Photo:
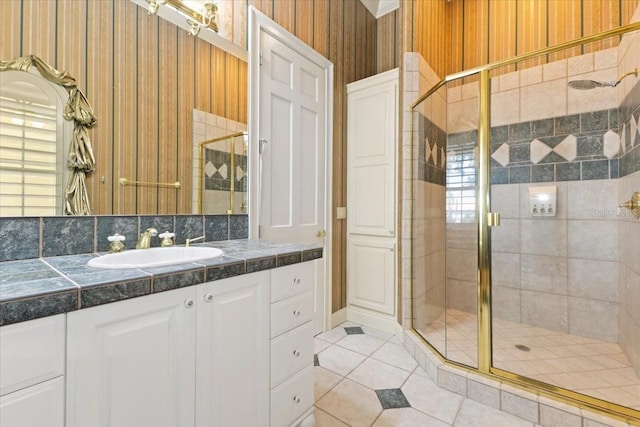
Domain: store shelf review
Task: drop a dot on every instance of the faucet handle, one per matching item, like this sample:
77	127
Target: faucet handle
116	244
152	231
166	238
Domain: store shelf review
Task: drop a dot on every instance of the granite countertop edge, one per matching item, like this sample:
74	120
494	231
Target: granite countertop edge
75	286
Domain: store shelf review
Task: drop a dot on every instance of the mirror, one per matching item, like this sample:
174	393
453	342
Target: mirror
147	79
38	151
221	178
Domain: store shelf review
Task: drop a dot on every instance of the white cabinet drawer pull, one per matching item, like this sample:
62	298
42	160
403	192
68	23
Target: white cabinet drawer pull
188	303
296	313
296	353
296	399
208	297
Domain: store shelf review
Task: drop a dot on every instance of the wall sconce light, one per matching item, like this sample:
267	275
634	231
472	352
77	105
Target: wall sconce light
152	9
206	14
198	13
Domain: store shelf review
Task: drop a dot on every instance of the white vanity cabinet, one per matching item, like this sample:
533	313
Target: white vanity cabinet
132	363
232	347
196	356
32	373
291	370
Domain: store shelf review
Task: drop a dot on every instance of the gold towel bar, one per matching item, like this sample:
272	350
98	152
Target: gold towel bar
125	181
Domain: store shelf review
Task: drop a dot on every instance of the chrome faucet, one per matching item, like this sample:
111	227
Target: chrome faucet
189	241
145	238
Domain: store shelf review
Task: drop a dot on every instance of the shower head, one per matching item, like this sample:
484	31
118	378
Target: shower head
592	84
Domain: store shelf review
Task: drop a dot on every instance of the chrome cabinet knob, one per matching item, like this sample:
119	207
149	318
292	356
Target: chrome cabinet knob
296	313
188	303
296	399
208	297
296	280
296	353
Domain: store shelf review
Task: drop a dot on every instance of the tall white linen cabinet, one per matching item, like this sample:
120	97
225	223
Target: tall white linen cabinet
372	238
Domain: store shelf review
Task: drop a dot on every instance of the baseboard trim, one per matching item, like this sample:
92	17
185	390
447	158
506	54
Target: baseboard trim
338	317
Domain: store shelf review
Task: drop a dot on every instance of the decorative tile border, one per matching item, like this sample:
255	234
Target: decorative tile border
431	151
33	237
217	170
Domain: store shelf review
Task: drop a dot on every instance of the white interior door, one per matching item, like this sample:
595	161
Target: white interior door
290	105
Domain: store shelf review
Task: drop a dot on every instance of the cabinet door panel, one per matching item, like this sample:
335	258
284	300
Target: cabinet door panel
132	363
232	352
31	352
372	273
41	405
371	163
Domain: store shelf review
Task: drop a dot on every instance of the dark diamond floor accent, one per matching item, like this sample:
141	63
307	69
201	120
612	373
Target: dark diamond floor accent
392	398
316	362
353	330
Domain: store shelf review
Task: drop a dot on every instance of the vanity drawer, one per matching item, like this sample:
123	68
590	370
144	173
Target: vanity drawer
291	352
292	312
291	280
31	352
291	399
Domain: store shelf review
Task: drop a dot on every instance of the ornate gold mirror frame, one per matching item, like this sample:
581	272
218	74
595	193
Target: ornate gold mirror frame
80	159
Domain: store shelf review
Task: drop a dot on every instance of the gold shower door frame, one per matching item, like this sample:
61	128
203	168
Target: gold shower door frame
487	219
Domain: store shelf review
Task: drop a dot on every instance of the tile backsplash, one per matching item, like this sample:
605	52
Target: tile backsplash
34	237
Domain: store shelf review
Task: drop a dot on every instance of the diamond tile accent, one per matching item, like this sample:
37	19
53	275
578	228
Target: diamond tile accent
353	330
442	157
316	362
209	169
392	398
501	155
239	173
222	170
568	148
428	151
611	144
539	150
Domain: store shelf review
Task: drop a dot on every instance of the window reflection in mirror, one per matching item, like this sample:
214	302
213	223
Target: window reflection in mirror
33	170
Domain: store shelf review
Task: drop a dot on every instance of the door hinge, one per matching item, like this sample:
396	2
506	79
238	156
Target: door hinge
259	231
260	58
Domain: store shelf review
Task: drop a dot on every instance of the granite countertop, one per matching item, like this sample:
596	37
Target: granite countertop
40	287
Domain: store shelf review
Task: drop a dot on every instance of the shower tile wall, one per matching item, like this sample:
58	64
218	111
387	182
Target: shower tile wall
629	227
577	272
424	173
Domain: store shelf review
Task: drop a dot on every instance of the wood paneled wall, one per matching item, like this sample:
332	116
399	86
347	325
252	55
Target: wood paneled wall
456	35
143	77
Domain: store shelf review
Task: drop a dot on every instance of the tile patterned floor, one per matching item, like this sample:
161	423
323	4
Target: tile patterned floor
589	366
364	377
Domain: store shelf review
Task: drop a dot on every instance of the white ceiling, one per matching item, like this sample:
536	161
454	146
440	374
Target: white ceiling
379	8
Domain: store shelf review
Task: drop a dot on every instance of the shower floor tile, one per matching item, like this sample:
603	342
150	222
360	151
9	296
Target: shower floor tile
589	366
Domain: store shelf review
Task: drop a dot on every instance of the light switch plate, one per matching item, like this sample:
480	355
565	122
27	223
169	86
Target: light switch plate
341	212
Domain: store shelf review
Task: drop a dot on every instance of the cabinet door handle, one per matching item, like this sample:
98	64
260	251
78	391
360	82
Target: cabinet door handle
296	280
296	353
296	313
208	297
296	399
188	303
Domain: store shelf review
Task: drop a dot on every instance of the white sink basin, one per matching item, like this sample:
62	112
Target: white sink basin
154	257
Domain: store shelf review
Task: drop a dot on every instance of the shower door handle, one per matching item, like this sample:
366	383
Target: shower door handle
493	219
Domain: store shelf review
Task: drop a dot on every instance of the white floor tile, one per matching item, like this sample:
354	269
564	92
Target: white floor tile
340	360
407	417
378	375
395	355
352	403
